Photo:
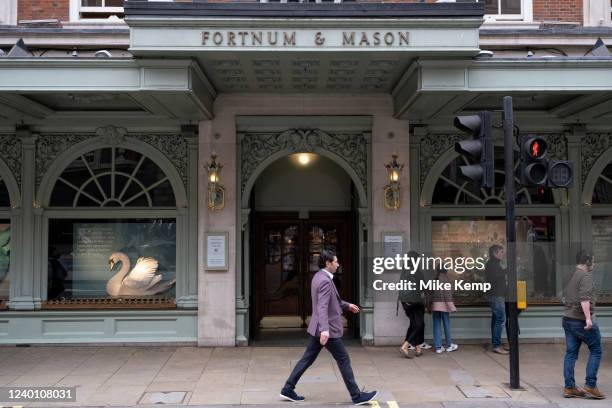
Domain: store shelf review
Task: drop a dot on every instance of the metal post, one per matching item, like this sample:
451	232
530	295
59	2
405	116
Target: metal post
508	120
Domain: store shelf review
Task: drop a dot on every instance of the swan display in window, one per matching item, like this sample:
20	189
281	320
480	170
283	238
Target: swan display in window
143	280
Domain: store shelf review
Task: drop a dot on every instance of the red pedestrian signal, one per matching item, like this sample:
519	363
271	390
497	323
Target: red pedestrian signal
536	149
534	168
537	170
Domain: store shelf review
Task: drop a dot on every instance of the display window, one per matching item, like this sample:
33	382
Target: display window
109	244
471	237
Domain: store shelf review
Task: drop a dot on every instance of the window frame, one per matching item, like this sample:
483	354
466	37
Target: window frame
76	9
526	15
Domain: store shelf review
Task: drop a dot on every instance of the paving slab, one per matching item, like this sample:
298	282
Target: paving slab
253	376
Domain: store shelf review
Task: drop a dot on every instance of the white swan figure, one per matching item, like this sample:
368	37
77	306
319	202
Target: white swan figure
140	281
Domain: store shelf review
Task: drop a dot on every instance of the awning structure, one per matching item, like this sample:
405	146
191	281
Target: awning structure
49	90
561	90
309	47
424	55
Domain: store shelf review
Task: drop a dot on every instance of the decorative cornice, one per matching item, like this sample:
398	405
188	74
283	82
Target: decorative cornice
593	146
50	146
350	147
10	153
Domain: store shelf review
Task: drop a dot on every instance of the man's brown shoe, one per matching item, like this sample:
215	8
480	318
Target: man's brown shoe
500	350
593	393
573	392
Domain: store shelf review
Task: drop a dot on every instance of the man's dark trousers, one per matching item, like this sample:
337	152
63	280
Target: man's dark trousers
338	351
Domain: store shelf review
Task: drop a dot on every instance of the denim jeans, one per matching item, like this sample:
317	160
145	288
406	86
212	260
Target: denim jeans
498	319
575	335
338	352
441	317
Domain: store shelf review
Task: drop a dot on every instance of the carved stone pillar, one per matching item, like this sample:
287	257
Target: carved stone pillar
188	296
26	282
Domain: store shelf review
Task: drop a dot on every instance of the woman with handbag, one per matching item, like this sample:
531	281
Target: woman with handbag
442	305
413	303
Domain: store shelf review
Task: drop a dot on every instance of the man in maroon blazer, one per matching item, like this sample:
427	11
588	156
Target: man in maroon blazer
325	330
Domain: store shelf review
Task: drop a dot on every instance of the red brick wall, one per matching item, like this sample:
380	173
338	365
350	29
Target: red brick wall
558	10
43	9
543	10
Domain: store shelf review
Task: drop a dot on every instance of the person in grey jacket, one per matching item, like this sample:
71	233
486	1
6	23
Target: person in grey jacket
326	330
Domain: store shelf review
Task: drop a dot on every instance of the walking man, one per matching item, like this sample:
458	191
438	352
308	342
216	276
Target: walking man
496	276
325	330
580	328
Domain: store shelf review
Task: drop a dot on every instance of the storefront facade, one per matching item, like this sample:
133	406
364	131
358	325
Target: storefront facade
303	114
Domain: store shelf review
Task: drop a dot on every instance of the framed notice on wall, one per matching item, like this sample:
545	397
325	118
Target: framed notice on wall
216	251
393	243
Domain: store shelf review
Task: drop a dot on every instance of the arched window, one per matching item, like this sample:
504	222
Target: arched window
601	230
112	177
452	189
465	221
112	232
5	199
602	193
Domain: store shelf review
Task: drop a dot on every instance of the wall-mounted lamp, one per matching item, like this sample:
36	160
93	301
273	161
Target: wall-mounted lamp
216	192
391	192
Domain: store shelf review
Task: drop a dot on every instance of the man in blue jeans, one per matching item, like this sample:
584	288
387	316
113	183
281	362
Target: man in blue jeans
496	276
579	328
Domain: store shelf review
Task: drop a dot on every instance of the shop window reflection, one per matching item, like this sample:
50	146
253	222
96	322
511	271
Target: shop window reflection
601	227
111	259
472	236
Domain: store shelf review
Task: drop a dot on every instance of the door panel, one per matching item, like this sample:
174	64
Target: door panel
287	257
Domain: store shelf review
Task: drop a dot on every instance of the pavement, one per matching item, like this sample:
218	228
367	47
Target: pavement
147	376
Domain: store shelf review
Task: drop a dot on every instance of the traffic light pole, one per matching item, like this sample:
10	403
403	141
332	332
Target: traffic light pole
508	123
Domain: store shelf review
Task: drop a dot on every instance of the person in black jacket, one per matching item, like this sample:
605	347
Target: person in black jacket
497	277
413	303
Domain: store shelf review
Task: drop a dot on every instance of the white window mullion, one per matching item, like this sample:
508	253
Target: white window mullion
526	14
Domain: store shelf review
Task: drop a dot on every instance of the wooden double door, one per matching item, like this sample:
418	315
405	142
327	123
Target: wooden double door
287	251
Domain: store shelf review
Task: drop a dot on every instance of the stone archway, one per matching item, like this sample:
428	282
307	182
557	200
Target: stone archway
257	150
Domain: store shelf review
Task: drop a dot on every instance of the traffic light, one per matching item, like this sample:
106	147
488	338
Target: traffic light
534	166
479	150
537	170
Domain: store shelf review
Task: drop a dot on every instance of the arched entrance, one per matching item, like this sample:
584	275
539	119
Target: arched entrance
302	191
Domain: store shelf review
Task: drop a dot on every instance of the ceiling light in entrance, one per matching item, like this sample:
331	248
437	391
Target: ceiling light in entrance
304	159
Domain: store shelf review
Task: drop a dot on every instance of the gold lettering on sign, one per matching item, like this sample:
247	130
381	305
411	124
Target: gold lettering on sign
364	39
348	38
242	34
256	37
319	39
389	38
270	38
376	38
289	39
